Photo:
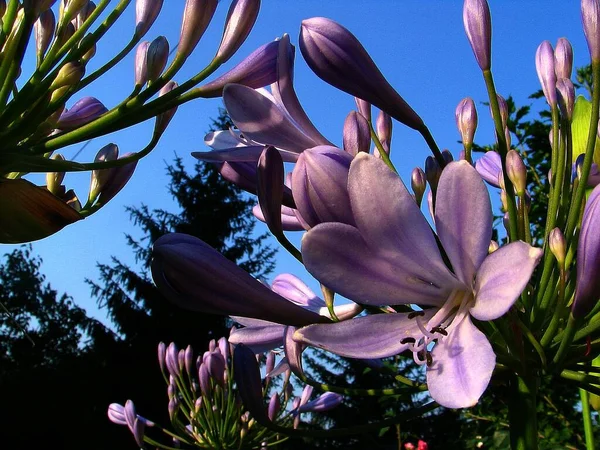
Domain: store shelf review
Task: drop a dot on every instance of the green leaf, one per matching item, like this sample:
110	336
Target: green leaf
582	114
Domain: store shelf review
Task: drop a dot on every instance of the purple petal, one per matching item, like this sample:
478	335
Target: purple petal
374	336
262	120
337	255
293	352
249	382
489	167
259	339
324	402
195	276
116	414
357	135
462	367
292	288
502	277
270	176
463	218
289	220
249	153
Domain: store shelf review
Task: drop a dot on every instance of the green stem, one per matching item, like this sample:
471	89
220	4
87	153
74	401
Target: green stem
433	146
587	419
566	340
382	153
522	413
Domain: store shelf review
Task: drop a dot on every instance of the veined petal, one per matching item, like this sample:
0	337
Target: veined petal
462	367
463	218
263	121
502	277
249	153
292	288
259	339
392	225
374	336
337	255
489	167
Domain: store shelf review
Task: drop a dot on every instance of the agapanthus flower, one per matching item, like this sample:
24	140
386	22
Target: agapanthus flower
391	257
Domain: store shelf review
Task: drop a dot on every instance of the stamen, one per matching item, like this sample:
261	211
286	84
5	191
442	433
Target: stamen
423	329
414	314
429	359
439	330
408	340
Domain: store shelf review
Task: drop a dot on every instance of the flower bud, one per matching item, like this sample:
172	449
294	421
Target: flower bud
162	349
146	12
83	111
64	34
173	408
503	201
224	348
364	108
323	402
44	32
447	155
216	367
587	291
566	97
68	75
384	130
274	406
70	8
172	360
319	185
422	445
558	245
55	179
466	120
544	64
83	14
418	183
163	119
270	179
100	177
141	65
590	17
357	135
240	20
196	17
336	56
516	171
489	166
156	57
432	171
477	22
563	59
188	359
503	107
270	364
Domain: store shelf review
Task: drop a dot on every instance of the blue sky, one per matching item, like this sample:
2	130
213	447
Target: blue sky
420	46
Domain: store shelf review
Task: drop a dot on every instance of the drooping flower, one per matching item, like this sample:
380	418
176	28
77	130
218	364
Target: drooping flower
391	257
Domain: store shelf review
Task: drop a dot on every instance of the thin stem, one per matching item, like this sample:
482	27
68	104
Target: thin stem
522	413
382	153
432	145
587	419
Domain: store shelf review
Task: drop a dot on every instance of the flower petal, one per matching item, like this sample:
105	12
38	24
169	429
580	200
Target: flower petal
502	277
489	167
374	336
292	288
263	121
463	218
259	339
337	255
462	367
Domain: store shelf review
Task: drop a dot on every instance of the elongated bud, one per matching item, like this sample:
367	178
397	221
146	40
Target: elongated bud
447	155
323	402
188	359
566	97
55	179
563	59
141	65
216	367
44	31
83	111
418	183
68	75
172	360
432	171
558	245
100	177
516	171
384	130
240	20
337	57
503	201
247	378
146	12
466	120
162	350
319	185
587	291
173	408
364	108
590	17
83	14
156	58
196	17
70	10
357	135
274	406
503	107
478	26
163	119
544	64
270	364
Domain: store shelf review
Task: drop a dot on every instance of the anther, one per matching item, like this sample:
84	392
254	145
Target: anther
414	314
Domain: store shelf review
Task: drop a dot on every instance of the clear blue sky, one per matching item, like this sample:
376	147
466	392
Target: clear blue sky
419	46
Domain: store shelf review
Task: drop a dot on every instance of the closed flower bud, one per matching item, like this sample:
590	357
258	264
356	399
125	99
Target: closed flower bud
44	32
503	107
156	57
146	12
563	59
188	359
466	120
364	108
384	130
566	97
196	17
274	406
240	20
171	360
70	9
55	179
83	111
224	348
100	177
590	17
587	291
270	363
319	185
173	408
337	57
163	119
204	379
478	26
68	75
516	171
215	363
544	64
324	402
162	349
447	155
418	183
141	66
64	34
357	135
83	14
432	171
558	245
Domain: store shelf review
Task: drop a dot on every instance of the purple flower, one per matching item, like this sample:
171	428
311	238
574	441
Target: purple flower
357	135
146	12
478	26
83	111
489	167
240	20
563	58
392	257
588	258
324	402
197	14
127	416
466	120
544	63
337	57
590	17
